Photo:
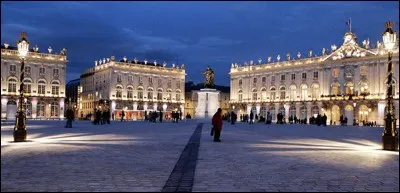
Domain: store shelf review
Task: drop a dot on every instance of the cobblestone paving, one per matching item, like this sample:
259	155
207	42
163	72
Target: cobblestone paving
295	158
135	156
118	157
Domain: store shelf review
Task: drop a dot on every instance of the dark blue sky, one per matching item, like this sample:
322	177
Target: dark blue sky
199	33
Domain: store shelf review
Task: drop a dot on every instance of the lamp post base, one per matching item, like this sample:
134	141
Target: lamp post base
20	135
390	143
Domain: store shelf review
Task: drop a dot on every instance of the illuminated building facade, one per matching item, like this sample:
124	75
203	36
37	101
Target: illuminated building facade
347	81
44	83
134	87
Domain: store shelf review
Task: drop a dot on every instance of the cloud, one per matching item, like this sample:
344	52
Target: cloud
217	42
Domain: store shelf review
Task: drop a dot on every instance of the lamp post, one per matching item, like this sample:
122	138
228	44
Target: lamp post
390	134
20	123
354	113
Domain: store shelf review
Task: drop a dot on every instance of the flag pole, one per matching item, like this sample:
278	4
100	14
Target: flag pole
350	24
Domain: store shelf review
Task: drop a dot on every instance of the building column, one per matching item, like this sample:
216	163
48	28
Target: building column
258	108
165	107
396	112
145	106
155	106
113	104
319	104
267	106
47	110
276	112
298	113
309	112
62	106
135	106
4	101
287	107
182	106
381	113
249	109
34	102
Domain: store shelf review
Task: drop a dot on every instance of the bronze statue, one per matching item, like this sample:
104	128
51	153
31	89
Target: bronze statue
209	82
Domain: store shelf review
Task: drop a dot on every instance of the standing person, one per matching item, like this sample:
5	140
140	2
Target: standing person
70	116
324	119
108	116
251	117
217	125
180	115
161	116
122	115
113	117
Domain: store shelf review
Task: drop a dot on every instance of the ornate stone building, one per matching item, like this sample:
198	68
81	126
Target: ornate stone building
133	87
44	81
348	80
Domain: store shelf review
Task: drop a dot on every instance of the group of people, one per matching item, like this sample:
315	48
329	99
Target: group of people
230	117
153	116
319	120
101	117
295	120
176	116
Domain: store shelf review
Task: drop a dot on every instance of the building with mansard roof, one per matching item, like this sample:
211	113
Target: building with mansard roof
132	86
348	81
44	80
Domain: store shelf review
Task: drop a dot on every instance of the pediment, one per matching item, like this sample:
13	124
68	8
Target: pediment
349	50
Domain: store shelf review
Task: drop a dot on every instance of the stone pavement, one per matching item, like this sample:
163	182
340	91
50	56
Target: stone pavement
140	156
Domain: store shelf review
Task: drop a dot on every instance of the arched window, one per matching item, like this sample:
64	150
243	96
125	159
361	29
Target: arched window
254	94
293	95
54	111
159	94
41	87
55	87
282	110
304	93
169	94
335	90
272	111
272	93
118	90
292	111
283	92
12	85
40	109
303	112
28	108
27	86
129	93
178	95
263	94
263	112
240	95
150	93
315	91
140	92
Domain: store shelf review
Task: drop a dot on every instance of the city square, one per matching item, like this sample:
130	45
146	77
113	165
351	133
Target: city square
200	97
141	156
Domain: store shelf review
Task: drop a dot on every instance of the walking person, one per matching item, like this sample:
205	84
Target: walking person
122	115
217	125
161	116
251	117
70	117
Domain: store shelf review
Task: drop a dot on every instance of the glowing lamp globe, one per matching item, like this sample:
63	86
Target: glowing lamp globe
23	47
389	36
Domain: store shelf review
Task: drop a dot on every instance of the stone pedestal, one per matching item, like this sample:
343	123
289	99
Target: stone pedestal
207	103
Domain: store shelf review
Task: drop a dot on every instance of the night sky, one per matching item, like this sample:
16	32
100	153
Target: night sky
195	33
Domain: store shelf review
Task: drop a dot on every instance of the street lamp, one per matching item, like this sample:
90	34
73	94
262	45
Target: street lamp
390	134
20	123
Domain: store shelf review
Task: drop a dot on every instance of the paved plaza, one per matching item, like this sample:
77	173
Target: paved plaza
142	156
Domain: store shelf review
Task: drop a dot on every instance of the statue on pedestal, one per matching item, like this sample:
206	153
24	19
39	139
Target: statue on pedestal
209	82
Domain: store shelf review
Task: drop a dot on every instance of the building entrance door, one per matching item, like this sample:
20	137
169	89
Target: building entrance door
11	110
349	113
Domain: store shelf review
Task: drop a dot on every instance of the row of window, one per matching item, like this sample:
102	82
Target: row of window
149	93
292	96
40	110
150	80
292	111
27	89
283	78
27	70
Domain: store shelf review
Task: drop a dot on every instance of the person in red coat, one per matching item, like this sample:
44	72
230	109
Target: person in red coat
217	125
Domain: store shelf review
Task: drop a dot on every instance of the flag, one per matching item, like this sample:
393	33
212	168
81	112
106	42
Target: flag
348	22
